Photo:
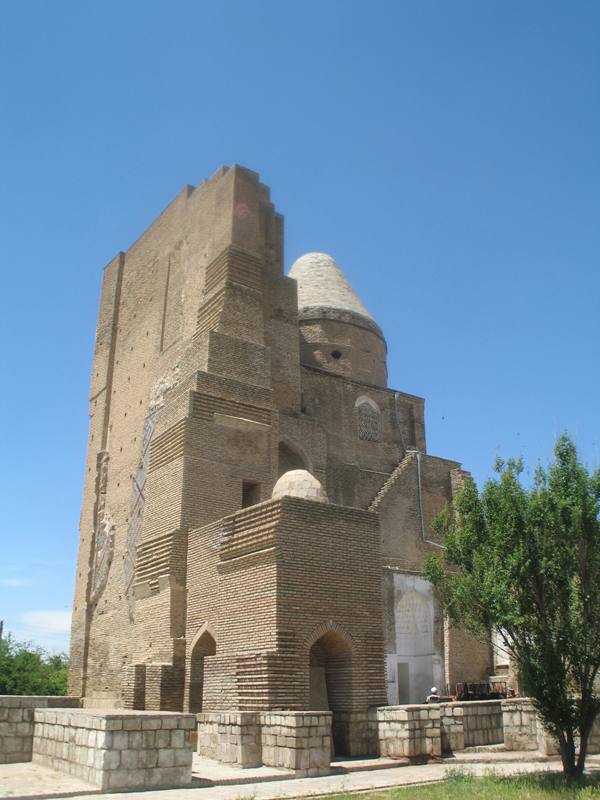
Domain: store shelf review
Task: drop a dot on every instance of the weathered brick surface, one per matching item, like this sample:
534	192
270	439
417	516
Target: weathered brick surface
208	383
16	723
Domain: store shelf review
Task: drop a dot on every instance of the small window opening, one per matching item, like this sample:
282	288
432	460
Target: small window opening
250	493
336	354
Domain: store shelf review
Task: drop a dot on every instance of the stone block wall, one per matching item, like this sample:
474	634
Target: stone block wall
232	737
452	727
524	730
296	740
520	724
415	731
410	731
353	732
482	721
116	750
16	723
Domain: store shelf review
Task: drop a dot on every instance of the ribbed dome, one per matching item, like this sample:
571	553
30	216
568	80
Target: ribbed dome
299	483
322	284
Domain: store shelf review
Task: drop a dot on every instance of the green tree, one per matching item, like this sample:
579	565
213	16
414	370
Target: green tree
525	563
30	670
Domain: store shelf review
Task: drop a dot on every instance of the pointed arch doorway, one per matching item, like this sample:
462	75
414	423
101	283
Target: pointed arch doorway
204	647
331	682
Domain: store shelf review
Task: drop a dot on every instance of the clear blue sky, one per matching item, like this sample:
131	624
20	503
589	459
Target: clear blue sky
447	154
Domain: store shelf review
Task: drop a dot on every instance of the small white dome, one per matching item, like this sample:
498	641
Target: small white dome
299	483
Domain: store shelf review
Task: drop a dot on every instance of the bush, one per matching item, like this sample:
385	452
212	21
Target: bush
25	669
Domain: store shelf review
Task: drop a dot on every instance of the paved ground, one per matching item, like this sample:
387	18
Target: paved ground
26	779
30	780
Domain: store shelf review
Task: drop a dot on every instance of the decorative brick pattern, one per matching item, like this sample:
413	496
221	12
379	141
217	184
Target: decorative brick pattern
116	750
207	360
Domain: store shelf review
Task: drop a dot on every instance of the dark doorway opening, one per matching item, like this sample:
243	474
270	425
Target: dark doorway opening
204	648
250	493
330	661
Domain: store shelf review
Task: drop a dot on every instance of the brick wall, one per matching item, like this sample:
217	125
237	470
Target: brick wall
197	379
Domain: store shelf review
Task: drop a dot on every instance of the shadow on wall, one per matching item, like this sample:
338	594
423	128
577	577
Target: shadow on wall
330	660
290	458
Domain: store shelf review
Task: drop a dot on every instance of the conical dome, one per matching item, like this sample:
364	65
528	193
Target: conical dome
337	333
322	284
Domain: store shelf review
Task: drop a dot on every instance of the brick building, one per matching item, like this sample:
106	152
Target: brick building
257	502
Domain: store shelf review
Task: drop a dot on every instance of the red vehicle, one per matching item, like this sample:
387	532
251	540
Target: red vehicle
480	691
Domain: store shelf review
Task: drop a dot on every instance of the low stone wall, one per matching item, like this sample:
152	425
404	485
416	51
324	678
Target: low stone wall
352	735
452	727
482	721
523	729
416	731
296	740
233	737
520	724
16	723
116	749
412	731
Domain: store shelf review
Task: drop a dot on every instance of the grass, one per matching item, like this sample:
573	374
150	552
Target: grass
461	786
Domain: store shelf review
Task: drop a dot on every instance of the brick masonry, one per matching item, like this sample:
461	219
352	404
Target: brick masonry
111	750
16	723
194	590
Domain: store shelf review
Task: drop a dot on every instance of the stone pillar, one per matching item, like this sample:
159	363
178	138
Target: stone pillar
412	732
232	737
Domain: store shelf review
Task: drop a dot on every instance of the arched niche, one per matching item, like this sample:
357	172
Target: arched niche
291	457
203	647
368	419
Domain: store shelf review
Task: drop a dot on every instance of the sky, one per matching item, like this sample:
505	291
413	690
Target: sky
445	153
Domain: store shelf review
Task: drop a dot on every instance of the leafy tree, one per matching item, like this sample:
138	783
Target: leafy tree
525	563
30	670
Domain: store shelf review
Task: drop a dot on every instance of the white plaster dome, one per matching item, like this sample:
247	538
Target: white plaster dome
322	284
299	483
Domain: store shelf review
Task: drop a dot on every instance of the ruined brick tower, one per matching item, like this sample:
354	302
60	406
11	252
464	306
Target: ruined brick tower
257	503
